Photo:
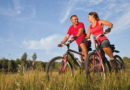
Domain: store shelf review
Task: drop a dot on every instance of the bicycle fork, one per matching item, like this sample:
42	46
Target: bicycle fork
63	64
100	64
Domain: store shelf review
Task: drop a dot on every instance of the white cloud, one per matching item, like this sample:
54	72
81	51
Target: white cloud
7	12
88	10
123	22
79	8
32	14
94	2
12	11
17	6
66	12
111	5
107	15
47	43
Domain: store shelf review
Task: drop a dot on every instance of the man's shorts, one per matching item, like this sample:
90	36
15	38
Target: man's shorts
88	46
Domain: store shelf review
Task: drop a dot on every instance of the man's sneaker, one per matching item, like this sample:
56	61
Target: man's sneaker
82	65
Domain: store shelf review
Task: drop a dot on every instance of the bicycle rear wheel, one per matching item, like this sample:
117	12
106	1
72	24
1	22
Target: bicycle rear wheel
56	65
121	65
93	69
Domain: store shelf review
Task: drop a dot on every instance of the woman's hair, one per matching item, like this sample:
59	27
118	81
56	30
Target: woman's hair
95	15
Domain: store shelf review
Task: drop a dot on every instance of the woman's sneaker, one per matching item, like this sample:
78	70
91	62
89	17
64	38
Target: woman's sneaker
114	64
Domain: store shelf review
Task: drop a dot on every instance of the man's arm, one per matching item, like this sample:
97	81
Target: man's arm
81	30
79	33
65	38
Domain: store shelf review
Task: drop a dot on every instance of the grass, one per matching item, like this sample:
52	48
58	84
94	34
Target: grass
37	80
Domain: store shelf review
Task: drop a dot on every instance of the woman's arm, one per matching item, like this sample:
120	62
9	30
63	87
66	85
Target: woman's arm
103	22
109	24
88	33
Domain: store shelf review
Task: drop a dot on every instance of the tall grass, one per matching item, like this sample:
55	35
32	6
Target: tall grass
38	81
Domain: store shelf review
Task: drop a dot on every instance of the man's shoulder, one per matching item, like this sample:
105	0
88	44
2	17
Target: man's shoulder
81	23
71	27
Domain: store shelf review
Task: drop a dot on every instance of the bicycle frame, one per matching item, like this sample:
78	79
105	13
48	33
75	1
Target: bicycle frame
66	57
98	51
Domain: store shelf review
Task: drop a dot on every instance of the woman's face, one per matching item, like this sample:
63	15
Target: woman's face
90	17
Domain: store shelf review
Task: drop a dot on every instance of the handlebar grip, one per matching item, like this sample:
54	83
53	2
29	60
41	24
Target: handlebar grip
70	41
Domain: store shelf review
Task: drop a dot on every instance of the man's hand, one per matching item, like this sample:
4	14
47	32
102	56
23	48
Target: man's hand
60	45
74	38
83	40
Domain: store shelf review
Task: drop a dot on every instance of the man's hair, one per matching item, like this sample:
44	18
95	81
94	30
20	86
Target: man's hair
72	16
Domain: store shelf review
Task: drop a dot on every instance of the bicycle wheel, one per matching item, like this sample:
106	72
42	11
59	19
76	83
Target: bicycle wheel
56	65
121	65
93	69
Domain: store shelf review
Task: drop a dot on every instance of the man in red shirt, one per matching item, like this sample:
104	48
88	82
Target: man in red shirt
78	31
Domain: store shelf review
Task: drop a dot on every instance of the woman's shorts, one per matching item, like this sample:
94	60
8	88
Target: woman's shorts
105	44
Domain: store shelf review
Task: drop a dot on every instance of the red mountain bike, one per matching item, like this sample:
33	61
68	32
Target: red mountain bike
96	64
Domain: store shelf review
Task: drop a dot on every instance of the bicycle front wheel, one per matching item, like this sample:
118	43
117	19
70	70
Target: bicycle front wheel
93	69
56	66
121	65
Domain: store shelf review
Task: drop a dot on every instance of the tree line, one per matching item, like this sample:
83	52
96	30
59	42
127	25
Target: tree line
27	64
14	65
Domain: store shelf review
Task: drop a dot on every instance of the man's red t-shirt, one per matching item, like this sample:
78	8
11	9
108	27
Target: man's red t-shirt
74	32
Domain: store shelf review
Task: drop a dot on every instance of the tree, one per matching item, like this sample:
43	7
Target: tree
39	65
34	59
24	58
4	63
126	58
23	62
10	67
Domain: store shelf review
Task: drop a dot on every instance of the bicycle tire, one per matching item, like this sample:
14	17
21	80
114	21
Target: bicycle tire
119	60
51	68
106	63
92	74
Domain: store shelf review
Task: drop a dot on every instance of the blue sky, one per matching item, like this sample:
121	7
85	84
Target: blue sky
39	25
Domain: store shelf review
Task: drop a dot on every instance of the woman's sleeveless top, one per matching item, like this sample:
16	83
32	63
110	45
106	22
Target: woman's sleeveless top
97	30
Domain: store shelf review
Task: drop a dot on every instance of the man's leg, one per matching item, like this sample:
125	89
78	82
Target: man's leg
84	50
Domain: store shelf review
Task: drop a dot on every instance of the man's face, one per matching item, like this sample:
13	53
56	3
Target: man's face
74	20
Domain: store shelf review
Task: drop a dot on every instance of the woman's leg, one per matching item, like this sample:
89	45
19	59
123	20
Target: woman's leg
108	51
106	48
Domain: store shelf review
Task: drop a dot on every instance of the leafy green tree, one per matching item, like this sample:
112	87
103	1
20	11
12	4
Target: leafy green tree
4	63
24	59
10	67
126	58
0	64
39	65
34	57
17	61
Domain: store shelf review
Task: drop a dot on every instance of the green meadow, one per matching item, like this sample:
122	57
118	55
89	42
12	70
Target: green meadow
37	80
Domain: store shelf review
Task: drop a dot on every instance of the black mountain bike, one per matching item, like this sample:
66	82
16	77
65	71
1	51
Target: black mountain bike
60	64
